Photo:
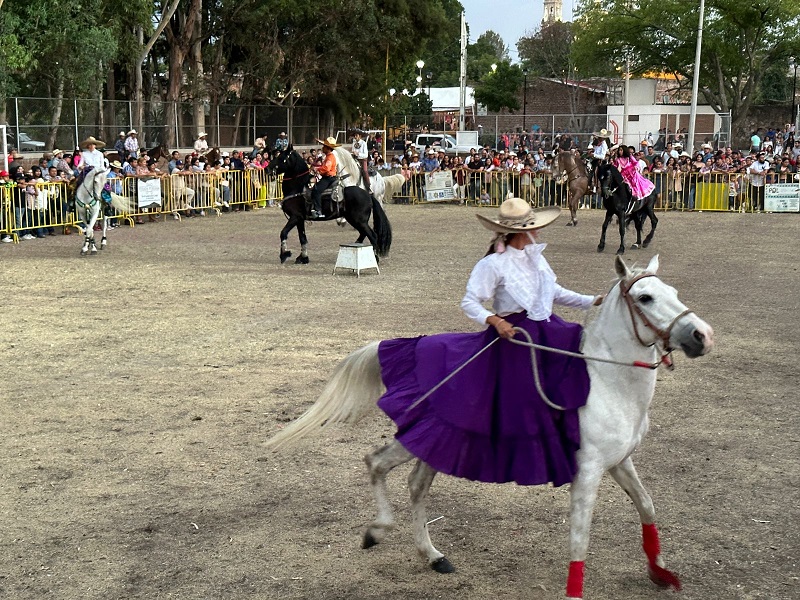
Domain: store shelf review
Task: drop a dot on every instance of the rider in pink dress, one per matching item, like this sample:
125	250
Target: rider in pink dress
628	167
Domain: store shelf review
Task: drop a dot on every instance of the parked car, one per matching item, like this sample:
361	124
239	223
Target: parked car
444	141
26	144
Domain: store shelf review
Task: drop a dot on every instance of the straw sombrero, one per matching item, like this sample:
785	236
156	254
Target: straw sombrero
329	141
603	133
517	215
91	140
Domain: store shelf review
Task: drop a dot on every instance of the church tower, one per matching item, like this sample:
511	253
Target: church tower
552	11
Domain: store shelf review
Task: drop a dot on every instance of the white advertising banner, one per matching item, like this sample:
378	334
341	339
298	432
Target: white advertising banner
439	186
148	192
782	197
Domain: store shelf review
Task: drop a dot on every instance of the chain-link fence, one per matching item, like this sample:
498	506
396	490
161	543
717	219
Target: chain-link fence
40	124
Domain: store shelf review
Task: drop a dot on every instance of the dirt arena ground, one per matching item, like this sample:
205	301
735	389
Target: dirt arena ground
138	387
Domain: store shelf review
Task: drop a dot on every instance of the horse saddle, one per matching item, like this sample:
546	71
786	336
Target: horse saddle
634	204
331	201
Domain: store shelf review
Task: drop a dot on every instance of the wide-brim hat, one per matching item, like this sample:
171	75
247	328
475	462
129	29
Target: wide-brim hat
56	152
603	133
329	141
116	164
614	147
517	215
202	134
133	132
91	140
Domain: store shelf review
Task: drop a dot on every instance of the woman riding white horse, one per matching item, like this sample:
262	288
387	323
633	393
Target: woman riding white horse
639	323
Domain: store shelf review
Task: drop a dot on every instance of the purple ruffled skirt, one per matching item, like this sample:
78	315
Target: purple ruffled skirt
488	423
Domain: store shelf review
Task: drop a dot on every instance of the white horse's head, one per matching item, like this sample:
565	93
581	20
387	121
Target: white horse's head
657	315
92	184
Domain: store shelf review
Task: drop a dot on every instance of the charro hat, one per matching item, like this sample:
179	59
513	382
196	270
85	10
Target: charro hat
517	215
91	140
614	147
121	134
116	164
603	133
202	134
329	141
132	132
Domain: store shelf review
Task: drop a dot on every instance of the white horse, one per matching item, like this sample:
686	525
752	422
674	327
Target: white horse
89	207
640	320
345	163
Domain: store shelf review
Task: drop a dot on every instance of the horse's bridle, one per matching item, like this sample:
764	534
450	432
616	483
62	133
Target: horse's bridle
662	334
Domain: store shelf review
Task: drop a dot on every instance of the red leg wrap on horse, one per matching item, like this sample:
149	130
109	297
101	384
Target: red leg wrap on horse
575	579
652	548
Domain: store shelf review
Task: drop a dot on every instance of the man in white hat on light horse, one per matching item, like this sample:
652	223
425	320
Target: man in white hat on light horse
200	144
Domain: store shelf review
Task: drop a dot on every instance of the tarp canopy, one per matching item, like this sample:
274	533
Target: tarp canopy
448	99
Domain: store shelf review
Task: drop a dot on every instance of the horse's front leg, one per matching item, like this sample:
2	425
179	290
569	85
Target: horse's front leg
301	233
419	484
638	224
621	219
88	244
379	464
290	224
583	494
627	478
104	239
602	245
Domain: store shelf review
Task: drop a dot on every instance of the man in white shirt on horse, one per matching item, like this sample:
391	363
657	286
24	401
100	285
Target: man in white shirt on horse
200	144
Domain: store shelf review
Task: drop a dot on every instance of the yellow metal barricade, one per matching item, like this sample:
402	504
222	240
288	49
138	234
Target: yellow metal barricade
35	210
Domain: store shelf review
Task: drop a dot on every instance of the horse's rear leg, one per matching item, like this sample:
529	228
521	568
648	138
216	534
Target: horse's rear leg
653	225
583	495
419	483
379	463
627	478
301	233
285	252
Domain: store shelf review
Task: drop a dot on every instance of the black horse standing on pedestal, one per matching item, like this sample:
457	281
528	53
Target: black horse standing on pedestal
356	206
618	200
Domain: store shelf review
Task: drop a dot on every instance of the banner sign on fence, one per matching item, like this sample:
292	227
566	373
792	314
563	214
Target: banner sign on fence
148	192
439	186
782	197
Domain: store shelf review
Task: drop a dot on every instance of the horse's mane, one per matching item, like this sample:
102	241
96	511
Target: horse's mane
348	165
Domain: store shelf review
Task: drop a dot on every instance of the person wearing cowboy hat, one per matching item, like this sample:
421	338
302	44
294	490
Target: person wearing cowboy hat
327	172
490	423
132	143
599	149
282	143
200	144
119	145
361	154
91	157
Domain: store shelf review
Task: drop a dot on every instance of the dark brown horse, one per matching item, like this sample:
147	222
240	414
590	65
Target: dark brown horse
212	156
571	167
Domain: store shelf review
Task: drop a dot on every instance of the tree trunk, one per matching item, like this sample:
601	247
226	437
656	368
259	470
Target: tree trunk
54	121
176	57
199	96
101	121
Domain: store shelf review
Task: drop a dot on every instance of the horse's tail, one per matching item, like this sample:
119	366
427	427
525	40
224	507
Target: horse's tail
122	204
383	230
351	392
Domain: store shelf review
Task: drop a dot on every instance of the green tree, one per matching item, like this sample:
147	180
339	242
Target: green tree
500	89
488	50
740	41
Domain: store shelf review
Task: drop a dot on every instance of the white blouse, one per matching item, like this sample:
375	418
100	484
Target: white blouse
517	280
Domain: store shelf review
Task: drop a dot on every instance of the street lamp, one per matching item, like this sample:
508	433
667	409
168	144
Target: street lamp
420	64
524	97
494	67
793	63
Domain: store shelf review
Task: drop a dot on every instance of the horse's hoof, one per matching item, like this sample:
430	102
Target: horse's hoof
601	248
663	578
285	256
442	565
634	246
645	244
621	251
569	223
301	260
84	252
369	541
